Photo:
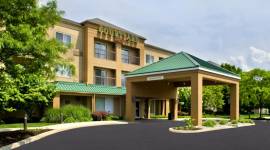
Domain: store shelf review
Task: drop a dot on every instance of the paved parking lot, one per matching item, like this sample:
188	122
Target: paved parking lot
154	135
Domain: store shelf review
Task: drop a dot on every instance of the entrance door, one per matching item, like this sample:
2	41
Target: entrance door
137	109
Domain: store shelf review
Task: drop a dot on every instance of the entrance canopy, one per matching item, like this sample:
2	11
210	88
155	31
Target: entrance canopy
161	79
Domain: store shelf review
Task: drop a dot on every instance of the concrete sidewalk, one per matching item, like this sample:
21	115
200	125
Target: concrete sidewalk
66	126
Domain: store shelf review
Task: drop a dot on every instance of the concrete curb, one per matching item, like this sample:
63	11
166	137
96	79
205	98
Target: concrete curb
53	131
207	129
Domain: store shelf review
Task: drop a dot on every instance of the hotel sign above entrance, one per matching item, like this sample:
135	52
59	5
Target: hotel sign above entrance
118	35
153	78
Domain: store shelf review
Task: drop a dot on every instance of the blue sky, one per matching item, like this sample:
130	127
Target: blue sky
233	31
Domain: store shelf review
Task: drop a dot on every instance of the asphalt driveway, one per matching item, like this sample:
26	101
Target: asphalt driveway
154	135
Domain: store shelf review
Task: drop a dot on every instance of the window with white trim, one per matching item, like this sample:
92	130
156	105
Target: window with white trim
63	71
64	38
149	59
105	104
125	55
100	50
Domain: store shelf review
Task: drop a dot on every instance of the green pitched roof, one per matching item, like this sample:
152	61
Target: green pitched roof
181	61
89	88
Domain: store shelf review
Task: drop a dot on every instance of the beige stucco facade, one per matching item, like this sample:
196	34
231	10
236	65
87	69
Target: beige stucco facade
75	54
82	55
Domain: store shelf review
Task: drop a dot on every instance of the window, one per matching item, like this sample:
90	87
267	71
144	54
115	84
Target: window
149	59
100	50
66	39
104	77
125	56
123	79
101	76
63	71
100	103
104	104
160	58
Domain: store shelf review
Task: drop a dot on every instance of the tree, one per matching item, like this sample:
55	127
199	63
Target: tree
185	97
231	68
34	91
28	56
226	89
23	38
255	93
212	98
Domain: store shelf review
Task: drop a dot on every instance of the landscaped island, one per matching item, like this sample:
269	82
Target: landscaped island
210	125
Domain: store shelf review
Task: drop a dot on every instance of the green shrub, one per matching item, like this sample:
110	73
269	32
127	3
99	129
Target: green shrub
78	113
209	123
70	113
2	122
114	117
189	124
223	122
157	116
52	115
245	121
179	128
234	121
69	120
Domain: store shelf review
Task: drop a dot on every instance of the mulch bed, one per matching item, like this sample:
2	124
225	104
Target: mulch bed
15	136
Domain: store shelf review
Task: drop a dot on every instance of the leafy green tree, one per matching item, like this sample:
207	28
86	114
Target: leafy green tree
212	98
29	57
226	89
185	97
231	68
34	91
23	38
8	92
255	93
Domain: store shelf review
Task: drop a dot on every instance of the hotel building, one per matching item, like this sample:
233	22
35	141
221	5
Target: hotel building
102	53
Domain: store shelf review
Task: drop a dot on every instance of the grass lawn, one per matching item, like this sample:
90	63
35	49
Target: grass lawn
20	125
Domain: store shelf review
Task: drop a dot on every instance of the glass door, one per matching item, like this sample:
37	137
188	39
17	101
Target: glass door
137	109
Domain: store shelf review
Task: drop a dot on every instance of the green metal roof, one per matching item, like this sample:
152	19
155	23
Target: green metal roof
180	62
89	88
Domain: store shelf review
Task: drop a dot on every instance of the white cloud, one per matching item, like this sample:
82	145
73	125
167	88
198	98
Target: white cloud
240	61
255	58
259	56
208	29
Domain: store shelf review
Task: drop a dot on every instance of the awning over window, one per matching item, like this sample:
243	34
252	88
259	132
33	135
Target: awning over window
89	88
